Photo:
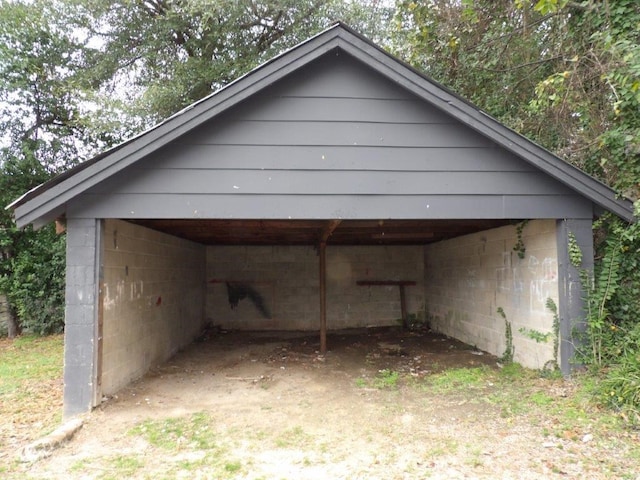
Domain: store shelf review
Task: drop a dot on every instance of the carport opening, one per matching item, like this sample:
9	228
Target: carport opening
246	278
166	280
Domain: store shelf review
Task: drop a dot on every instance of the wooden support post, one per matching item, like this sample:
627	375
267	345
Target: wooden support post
323	297
322	253
403	308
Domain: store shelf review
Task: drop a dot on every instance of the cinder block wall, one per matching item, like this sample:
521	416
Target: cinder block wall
153	299
468	278
287	278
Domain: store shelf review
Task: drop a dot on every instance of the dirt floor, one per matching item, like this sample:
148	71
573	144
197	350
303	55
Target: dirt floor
268	406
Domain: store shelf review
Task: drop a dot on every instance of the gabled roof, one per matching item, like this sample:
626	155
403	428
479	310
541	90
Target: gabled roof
47	201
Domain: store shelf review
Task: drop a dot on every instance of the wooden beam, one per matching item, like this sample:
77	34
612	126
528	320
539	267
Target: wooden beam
403	308
323	297
61	225
402	235
328	229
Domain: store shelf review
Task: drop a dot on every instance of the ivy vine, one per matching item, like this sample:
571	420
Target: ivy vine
507	356
519	247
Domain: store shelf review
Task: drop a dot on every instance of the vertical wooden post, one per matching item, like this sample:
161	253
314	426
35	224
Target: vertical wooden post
322	253
403	308
323	297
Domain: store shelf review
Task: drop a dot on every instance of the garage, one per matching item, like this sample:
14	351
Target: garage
332	187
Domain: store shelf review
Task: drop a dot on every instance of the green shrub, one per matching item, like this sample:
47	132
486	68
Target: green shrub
620	387
34	281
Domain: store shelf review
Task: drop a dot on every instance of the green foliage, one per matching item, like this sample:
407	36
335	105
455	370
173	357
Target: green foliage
32	262
575	253
620	387
535	335
78	76
49	119
507	356
175	53
386	379
519	247
453	379
600	289
35	280
553	308
539	337
194	431
612	329
492	52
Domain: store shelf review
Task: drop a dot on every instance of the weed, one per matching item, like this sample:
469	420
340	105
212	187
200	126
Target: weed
540	399
126	466
232	467
460	378
294	437
441	447
361	382
513	371
621	388
386	379
507	356
173	433
79	466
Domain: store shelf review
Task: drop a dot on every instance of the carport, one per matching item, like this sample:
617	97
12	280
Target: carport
332	187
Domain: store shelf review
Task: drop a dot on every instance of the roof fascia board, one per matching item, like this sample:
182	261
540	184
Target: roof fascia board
177	125
471	116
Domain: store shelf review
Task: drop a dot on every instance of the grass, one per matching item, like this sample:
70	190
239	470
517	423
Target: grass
457	378
189	445
384	379
195	435
28	360
172	433
293	438
30	387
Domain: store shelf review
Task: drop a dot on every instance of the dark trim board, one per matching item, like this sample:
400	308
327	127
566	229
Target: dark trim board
322	207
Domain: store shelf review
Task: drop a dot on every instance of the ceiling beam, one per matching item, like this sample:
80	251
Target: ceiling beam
328	229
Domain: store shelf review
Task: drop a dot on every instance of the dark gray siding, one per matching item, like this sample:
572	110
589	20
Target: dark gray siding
333	140
84	258
571	294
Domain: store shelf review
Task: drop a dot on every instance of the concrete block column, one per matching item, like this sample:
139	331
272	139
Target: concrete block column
81	315
571	307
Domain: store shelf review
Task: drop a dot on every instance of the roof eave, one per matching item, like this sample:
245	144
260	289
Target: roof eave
39	204
50	195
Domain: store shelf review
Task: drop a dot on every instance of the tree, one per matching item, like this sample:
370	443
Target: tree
564	73
48	120
78	76
173	53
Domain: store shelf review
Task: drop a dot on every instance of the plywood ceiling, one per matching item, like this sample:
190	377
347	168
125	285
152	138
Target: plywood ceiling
309	232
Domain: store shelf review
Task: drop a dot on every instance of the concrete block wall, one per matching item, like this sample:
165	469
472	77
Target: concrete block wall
468	278
153	299
287	278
